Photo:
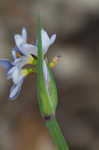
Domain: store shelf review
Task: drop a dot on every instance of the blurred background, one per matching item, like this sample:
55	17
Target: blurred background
76	24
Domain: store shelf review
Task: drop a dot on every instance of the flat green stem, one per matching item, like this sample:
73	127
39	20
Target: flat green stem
52	124
56	133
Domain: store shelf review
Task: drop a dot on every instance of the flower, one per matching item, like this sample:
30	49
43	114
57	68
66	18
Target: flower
18	78
46	74
46	41
12	72
15	71
23	53
24	48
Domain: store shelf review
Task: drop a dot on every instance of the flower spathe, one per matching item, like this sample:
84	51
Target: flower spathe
23	53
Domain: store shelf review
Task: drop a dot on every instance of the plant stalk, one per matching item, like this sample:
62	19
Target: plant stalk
56	134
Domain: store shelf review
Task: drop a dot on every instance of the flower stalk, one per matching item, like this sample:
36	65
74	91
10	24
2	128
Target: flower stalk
47	96
29	58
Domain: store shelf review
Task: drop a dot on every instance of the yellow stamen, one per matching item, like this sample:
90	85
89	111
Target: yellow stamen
24	72
27	71
54	62
31	60
18	55
34	70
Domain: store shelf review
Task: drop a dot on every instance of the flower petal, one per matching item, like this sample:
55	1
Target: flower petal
14	74
11	72
44	35
24	34
14	52
18	40
6	64
36	43
45	40
27	49
20	61
15	90
52	39
46	74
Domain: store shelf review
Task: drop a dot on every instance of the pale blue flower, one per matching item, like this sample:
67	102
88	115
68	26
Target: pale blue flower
22	46
46	74
16	49
14	72
46	41
14	69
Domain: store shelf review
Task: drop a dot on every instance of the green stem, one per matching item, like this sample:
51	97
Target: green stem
45	104
56	133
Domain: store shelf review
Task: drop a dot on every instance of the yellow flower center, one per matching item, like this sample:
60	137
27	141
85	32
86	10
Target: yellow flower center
18	55
31	60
